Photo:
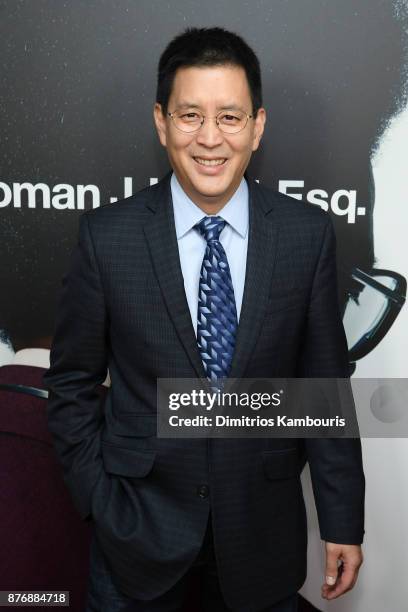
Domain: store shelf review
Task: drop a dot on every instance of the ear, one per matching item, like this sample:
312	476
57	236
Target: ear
259	126
161	124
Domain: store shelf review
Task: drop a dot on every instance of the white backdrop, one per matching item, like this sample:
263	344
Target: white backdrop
382	583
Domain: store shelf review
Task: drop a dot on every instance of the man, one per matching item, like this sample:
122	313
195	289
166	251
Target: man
134	301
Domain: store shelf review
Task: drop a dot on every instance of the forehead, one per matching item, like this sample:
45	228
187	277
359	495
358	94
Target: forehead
216	85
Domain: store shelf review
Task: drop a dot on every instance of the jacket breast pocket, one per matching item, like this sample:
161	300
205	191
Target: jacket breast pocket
129	462
281	464
293	298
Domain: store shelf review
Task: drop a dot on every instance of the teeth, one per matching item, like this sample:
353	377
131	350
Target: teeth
210	162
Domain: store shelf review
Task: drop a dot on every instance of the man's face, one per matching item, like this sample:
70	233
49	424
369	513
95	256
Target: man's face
209	89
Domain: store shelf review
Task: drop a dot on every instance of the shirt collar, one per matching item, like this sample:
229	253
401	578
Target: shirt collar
187	214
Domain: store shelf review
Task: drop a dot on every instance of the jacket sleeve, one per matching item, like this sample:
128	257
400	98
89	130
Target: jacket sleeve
335	463
78	364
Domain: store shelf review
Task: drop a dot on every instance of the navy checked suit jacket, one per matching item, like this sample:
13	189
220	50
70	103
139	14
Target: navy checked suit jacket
123	307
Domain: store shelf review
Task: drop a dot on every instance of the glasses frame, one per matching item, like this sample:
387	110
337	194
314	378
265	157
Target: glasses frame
395	301
248	117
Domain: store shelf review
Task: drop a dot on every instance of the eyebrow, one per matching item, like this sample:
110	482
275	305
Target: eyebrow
224	107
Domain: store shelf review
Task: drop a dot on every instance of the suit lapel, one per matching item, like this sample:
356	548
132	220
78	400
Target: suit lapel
161	237
262	246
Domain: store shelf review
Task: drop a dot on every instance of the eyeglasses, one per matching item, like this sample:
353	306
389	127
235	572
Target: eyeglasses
372	307
228	121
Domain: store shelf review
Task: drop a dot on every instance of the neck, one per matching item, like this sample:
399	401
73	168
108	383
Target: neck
210	205
210	209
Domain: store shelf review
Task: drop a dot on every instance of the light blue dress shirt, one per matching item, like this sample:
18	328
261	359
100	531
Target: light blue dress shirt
191	245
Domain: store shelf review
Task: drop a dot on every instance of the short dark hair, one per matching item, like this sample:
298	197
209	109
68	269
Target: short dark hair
208	47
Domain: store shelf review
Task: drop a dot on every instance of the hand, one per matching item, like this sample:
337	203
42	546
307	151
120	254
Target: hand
343	562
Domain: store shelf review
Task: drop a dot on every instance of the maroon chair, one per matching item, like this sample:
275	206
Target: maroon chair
44	542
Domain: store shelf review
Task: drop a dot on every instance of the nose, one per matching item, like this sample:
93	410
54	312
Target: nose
209	135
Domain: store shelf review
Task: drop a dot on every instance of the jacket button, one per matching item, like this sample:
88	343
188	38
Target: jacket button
202	491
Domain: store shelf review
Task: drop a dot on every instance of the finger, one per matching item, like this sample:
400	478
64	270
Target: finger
332	558
345	582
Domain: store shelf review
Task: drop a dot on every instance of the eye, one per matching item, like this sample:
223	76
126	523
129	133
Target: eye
230	118
190	116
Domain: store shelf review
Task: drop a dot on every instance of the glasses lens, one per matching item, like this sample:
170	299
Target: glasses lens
187	121
366	311
363	315
232	121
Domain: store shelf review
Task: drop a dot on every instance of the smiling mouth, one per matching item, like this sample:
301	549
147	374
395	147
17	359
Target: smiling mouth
210	162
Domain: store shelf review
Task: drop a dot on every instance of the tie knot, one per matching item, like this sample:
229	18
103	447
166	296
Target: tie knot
210	227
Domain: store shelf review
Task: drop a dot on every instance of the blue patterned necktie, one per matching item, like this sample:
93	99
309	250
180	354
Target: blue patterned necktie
217	320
